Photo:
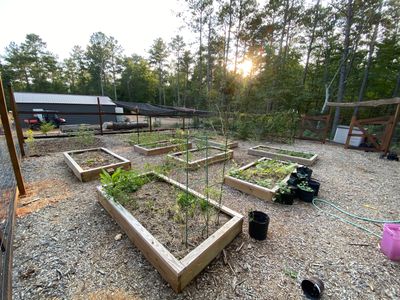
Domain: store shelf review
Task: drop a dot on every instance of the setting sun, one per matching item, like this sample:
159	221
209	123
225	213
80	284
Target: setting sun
245	67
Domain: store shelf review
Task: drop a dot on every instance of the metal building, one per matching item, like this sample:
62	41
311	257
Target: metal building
40	102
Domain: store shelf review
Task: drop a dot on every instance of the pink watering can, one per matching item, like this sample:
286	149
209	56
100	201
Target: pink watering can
390	243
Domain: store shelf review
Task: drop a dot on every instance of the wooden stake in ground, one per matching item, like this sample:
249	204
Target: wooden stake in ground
10	142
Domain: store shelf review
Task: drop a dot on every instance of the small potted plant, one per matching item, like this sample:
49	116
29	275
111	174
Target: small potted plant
285	194
314	184
304	171
305	192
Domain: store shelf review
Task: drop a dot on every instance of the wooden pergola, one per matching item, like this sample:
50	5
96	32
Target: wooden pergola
389	122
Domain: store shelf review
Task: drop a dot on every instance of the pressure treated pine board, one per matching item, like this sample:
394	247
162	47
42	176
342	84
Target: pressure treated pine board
262	150
192	165
251	188
142	149
215	143
178	273
91	174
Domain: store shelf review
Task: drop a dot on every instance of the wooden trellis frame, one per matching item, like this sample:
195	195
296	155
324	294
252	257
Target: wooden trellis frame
322	132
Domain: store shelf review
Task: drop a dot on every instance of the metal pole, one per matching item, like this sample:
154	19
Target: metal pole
137	129
10	142
100	116
150	124
183	123
18	128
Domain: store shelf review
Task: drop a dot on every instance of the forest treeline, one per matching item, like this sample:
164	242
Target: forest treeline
257	58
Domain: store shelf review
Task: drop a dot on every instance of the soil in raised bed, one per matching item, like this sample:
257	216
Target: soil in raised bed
46	146
286	152
200	154
161	144
154	206
267	173
94	159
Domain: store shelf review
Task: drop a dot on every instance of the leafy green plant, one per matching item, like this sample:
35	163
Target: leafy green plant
283	189
305	187
30	140
295	153
265	173
121	184
46	127
85	136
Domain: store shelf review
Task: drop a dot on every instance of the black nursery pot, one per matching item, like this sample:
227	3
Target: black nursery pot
306	171
315	186
312	287
286	199
305	195
258	225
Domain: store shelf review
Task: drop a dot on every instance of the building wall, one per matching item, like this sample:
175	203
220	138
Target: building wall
71	119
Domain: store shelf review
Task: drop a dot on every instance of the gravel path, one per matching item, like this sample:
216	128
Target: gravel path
67	249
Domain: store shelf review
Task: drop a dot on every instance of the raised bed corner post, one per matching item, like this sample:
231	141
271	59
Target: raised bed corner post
18	128
100	116
10	142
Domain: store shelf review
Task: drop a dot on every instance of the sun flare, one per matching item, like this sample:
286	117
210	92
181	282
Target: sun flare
245	67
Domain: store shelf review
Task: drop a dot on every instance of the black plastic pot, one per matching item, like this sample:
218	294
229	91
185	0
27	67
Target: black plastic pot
286	199
292	181
305	171
305	196
258	225
312	287
314	184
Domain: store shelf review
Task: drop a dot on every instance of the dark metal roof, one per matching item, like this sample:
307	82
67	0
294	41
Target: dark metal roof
147	109
61	99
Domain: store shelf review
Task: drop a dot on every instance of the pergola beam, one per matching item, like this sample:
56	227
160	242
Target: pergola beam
369	103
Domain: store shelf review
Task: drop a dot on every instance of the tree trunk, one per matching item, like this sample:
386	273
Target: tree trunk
342	78
238	36
310	45
397	87
285	17
201	52
369	61
209	63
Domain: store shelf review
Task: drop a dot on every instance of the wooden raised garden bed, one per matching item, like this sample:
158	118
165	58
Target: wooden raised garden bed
303	158
197	157
262	185
220	143
160	147
87	164
179	269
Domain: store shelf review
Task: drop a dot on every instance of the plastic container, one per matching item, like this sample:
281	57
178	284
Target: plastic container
314	184
390	243
313	287
258	225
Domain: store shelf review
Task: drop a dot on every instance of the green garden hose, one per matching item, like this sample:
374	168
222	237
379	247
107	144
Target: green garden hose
352	216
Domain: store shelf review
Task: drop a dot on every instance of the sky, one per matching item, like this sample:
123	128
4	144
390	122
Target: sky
65	23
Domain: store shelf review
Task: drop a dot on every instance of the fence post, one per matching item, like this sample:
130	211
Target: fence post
183	124
100	116
10	141
150	123
18	128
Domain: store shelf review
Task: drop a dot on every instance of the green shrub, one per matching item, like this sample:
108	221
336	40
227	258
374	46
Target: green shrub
85	136
46	127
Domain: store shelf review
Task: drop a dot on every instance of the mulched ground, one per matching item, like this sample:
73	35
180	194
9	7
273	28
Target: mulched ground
68	250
